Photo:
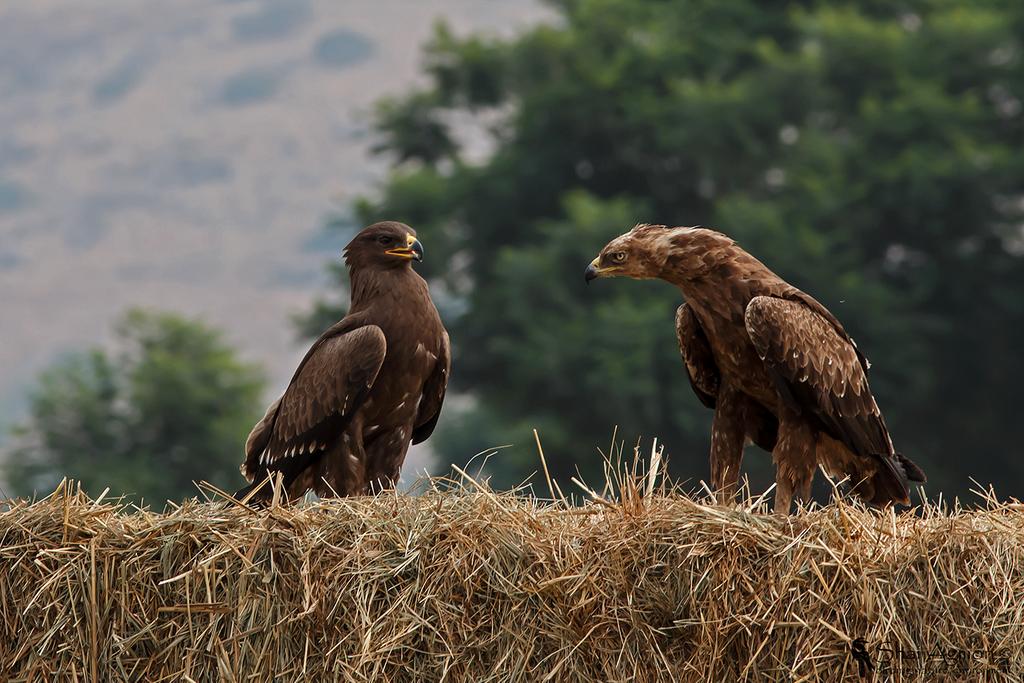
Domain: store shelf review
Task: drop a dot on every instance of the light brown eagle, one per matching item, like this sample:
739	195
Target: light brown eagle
370	385
777	367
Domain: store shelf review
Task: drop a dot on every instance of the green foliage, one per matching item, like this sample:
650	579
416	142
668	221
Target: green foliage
414	132
869	152
173	404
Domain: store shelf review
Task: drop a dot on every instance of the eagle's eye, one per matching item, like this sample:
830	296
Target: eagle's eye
385	240
617	257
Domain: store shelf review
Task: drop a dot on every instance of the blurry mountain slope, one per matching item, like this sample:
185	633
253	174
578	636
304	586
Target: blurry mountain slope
183	155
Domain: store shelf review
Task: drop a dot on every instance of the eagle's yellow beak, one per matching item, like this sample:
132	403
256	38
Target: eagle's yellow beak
412	250
595	271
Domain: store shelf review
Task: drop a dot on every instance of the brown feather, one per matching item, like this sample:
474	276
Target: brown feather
820	373
697	356
328	388
761	427
433	394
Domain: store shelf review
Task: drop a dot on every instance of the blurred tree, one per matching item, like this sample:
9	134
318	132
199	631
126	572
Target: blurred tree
172	405
868	152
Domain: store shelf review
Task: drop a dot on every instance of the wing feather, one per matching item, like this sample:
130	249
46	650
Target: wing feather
705	378
697	356
818	371
328	387
434	390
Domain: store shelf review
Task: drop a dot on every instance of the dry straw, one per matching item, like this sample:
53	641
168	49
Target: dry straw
465	584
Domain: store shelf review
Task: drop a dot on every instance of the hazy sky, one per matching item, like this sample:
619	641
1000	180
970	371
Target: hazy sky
183	155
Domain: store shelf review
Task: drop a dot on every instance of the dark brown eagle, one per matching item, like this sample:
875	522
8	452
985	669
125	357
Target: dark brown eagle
370	385
776	366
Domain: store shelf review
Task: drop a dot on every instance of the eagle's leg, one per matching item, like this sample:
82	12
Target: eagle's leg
795	460
384	458
728	436
344	466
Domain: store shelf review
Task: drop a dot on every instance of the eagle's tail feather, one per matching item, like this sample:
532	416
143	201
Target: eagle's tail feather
257	500
262	482
891	484
263	488
910	469
245	491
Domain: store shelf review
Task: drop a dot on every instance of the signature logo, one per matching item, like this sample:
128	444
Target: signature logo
889	657
859	650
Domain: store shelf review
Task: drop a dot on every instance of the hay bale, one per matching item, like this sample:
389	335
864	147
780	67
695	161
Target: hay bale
465	586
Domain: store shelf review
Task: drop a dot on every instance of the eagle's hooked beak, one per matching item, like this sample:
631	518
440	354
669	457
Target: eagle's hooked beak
595	271
412	250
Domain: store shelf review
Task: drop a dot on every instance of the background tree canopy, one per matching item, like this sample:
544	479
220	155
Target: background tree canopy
172	405
869	152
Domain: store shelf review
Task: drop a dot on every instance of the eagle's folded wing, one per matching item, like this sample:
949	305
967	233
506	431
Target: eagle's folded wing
818	372
328	387
697	357
706	379
433	393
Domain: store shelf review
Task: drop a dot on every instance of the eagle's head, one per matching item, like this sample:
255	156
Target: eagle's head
636	254
387	244
657	251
